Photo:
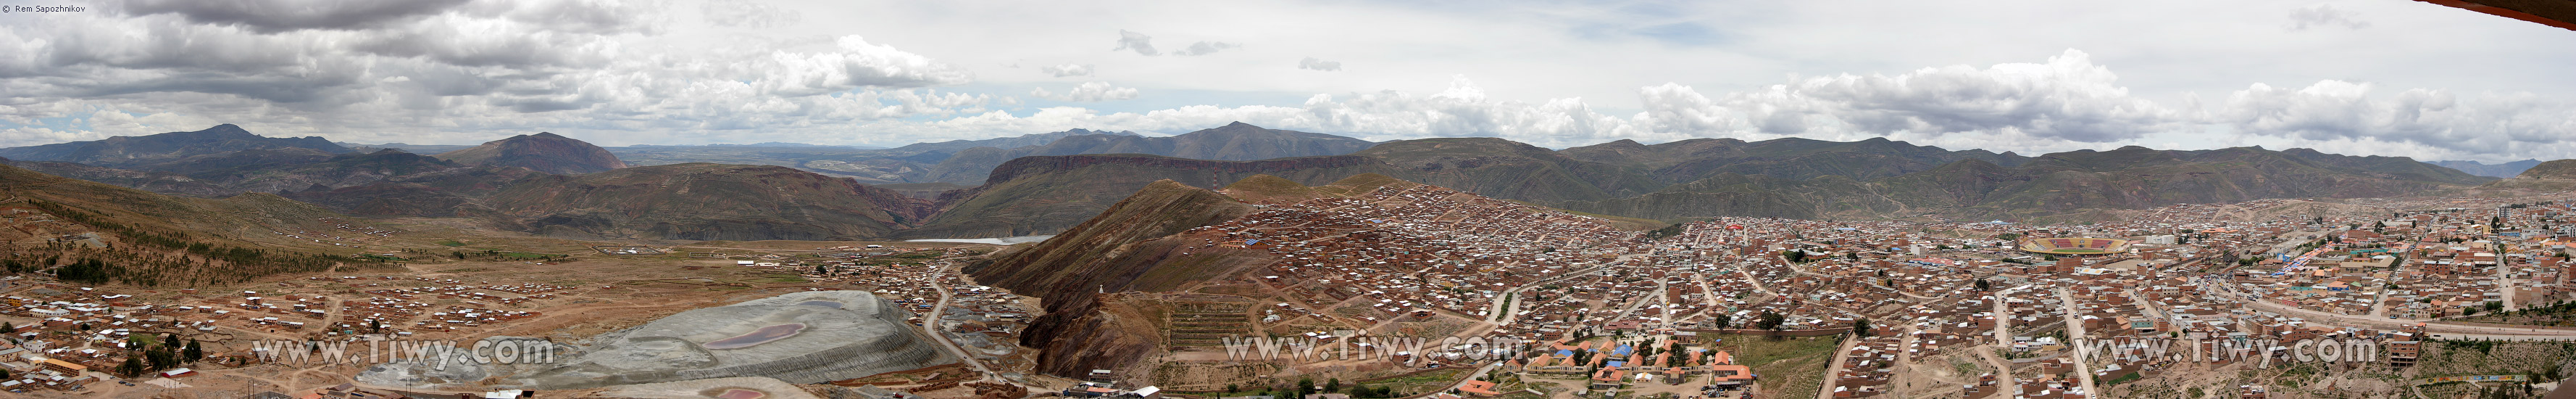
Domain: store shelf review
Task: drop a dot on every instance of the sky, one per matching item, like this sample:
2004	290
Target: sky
2362	77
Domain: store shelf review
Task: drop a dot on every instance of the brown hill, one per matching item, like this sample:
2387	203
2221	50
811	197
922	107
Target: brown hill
1047	194
705	202
1106	282
1784	158
153	239
1138	236
543	152
1233	142
2564	169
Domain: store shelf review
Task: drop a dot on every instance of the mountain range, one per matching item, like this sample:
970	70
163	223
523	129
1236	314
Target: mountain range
965	163
554	185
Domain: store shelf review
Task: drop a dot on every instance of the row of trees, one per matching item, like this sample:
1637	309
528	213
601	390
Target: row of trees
159	354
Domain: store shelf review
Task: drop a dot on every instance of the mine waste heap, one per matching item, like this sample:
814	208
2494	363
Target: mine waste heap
802	338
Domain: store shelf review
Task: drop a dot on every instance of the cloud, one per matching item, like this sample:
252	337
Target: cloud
37	135
1310	63
2068	98
1088	92
1142	44
271	16
2324	15
1205	48
483	68
746	14
1672	107
2437	120
1068	70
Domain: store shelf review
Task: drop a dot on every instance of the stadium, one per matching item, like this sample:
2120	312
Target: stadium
2074	245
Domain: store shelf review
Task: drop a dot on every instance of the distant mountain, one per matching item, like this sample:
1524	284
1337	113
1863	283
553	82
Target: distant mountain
2052	185
696	201
143	151
907	164
706	202
1233	142
1506	169
2508	169
543	152
967	162
254	171
456	192
1026	140
412	148
785	144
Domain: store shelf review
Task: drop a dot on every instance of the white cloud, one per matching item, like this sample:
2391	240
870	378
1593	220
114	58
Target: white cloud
1088	92
2068	98
1205	48
747	14
2064	104
1144	45
38	135
486	68
2428	121
1138	42
1067	70
271	16
2324	15
1312	64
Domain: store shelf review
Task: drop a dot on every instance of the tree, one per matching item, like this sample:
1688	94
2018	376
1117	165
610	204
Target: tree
1982	285
1305	386
193	352
1769	321
161	358
131	368
1333	385
1721	320
1860	327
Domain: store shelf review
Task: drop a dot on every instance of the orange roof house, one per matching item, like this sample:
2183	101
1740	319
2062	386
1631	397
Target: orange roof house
1478	388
